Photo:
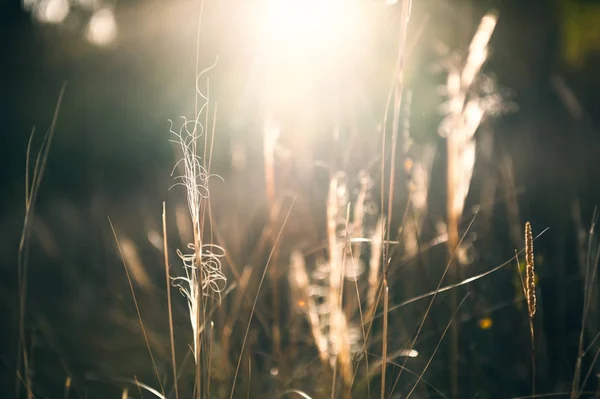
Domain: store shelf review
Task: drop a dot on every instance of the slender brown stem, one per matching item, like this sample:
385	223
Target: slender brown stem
386	292
31	193
199	309
169	306
137	308
453	239
262	279
533	372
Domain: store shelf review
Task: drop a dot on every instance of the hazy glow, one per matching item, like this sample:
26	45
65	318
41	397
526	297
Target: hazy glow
51	11
89	4
102	28
300	26
303	45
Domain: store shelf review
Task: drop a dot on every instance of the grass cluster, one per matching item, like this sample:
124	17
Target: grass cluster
289	305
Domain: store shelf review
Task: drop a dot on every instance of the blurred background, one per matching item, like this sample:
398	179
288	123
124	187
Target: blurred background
130	67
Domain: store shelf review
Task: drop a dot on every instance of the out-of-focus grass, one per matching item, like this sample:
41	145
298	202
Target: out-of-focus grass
321	222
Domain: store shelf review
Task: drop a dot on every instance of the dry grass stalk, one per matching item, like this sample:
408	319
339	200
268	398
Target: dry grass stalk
529	290
374	268
270	136
530	271
338	332
418	186
335	336
395	93
202	264
136	267
465	115
169	306
299	283
356	228
589	268
252	311
137	307
31	192
354	246
235	307
463	119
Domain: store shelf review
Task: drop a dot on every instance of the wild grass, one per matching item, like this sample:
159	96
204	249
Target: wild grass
32	187
321	314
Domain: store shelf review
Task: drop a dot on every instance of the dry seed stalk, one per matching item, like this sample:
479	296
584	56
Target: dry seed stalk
338	333
374	267
530	271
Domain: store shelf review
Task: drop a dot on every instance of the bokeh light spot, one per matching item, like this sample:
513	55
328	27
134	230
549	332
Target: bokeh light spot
485	323
52	11
102	28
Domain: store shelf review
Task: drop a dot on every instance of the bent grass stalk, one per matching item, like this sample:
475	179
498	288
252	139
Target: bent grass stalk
463	282
31	195
137	308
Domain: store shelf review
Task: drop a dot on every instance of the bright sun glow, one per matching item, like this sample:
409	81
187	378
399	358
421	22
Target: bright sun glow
304	26
303	43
